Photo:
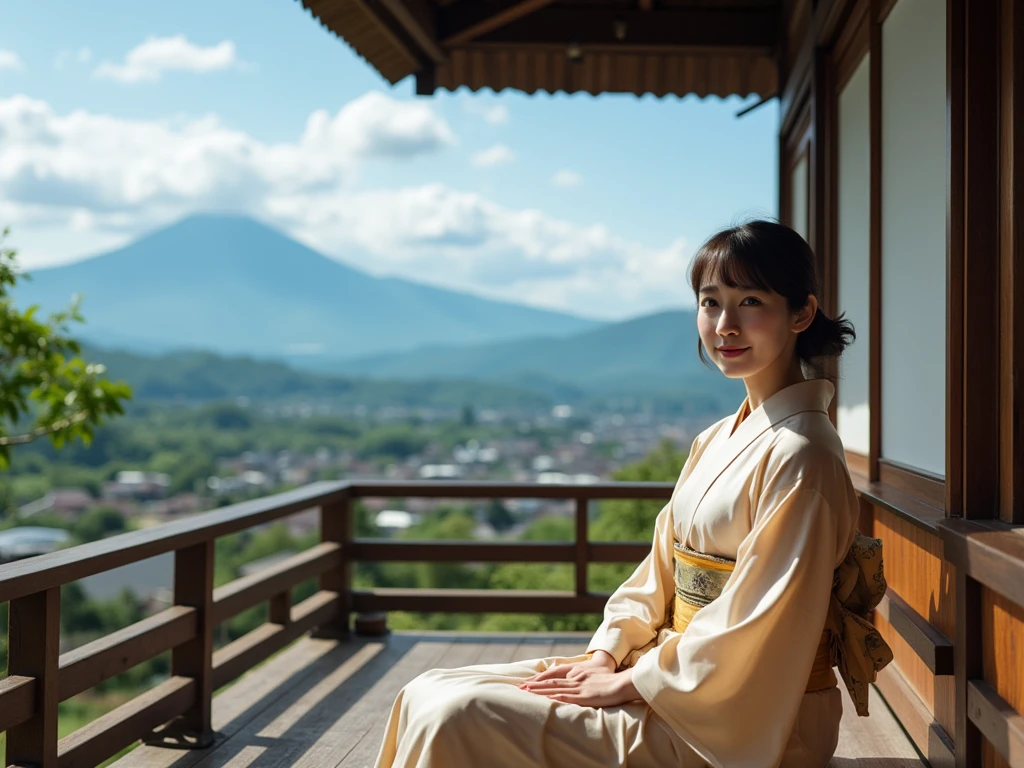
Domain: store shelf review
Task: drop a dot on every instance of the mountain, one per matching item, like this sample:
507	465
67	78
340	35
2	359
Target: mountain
233	285
651	354
205	376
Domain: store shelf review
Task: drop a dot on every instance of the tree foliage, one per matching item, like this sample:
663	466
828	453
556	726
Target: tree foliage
46	387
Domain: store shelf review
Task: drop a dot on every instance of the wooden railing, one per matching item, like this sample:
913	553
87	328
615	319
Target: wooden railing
40	677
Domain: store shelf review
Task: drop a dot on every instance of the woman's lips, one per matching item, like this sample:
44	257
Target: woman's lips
732	351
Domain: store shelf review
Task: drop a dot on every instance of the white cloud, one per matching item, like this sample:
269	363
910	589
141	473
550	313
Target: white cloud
106	164
82	56
524	256
566	178
150	59
10	60
499	154
79	183
495	114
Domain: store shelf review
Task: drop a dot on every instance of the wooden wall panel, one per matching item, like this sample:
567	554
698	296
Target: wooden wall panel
1002	626
990	757
915	570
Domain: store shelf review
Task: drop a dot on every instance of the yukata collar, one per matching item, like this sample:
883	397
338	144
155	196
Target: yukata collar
725	448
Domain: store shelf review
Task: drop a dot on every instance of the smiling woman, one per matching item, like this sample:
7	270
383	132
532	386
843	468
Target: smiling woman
757	583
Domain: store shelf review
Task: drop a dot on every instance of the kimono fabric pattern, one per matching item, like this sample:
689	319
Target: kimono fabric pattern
768	495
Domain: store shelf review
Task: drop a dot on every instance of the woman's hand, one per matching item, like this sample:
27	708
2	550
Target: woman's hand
600	662
593	689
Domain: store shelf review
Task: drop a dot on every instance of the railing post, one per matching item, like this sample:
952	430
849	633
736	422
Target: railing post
193	586
582	546
33	650
337	523
281	609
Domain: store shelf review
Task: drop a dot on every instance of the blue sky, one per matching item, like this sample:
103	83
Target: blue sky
119	117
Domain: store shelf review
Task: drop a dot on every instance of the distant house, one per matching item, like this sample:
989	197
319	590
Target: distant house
134	484
394	520
182	504
69	503
440	471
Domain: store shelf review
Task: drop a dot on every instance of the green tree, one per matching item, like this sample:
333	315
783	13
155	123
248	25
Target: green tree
46	387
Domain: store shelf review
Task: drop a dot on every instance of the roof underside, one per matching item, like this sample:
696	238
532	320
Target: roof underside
706	47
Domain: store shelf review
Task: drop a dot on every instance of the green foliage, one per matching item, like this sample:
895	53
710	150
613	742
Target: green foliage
98	523
43	378
633	520
498	516
398	442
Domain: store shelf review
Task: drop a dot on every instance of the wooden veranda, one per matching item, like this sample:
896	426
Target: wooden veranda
324	700
900	161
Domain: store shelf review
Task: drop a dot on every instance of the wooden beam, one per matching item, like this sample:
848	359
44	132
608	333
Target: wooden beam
467	21
702	27
110	733
997	721
36	574
235	596
416	18
112	654
476	601
935	650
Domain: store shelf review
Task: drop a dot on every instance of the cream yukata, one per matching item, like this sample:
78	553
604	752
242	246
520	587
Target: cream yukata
765	491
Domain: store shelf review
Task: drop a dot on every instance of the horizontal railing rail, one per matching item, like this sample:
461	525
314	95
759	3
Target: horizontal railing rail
39	677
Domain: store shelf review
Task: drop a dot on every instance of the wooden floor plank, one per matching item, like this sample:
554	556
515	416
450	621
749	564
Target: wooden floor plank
496	652
877	741
324	704
365	752
569	648
347	730
289	731
255	692
532	649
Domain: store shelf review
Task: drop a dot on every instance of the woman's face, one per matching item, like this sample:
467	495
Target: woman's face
746	330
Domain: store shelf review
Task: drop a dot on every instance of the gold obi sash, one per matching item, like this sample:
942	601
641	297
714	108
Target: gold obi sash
699	580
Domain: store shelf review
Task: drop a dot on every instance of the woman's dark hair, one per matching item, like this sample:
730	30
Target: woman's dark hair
769	256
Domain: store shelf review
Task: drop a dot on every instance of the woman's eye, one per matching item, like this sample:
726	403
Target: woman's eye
753	300
707	302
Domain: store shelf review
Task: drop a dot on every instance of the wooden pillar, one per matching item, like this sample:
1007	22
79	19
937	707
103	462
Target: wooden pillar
976	285
193	586
33	650
875	237
582	545
967	665
337	523
1011	272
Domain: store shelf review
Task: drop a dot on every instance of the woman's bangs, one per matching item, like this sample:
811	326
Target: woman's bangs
720	261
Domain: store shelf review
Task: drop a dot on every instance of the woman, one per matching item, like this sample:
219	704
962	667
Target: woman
719	648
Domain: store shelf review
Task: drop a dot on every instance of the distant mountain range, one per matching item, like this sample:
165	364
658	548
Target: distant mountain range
196	377
251	299
654	353
232	285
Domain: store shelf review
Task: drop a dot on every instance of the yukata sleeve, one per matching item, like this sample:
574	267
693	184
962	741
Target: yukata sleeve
731	684
639	606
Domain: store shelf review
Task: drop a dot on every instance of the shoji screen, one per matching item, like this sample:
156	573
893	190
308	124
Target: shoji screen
913	234
854	243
